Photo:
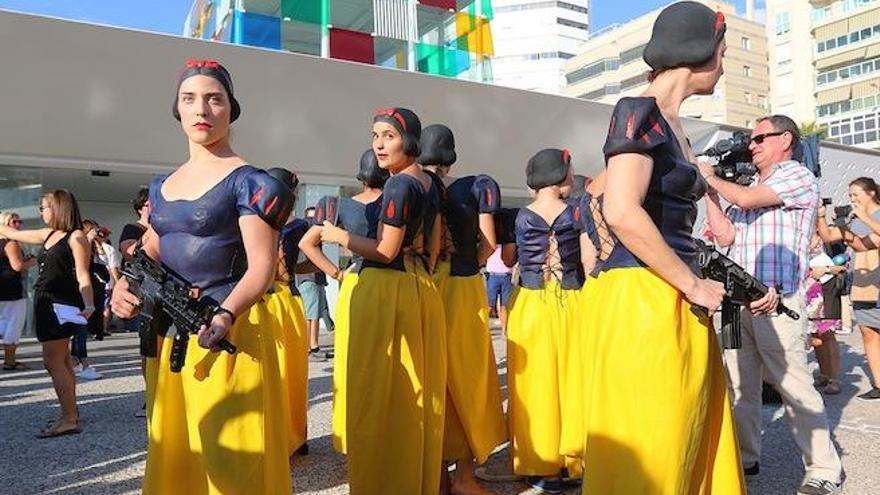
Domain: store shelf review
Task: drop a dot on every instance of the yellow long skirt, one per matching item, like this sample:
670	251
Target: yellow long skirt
340	363
293	354
572	387
538	319
218	426
396	388
658	416
475	422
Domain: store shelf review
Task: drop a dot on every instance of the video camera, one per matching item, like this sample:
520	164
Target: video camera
734	159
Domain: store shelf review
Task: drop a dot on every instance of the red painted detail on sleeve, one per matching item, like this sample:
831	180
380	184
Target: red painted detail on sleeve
658	128
489	197
631	126
389	211
258	195
270	205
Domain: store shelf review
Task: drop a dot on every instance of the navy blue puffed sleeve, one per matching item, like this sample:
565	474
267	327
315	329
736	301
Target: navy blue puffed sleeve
505	225
258	193
487	193
636	127
397	199
327	209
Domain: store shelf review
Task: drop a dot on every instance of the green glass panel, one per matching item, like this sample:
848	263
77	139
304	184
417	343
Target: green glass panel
354	15
310	11
439	60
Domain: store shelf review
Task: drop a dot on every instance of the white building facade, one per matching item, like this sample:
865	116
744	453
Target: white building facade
534	38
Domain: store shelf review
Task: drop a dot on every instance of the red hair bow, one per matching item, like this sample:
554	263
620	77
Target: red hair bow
391	112
719	21
193	63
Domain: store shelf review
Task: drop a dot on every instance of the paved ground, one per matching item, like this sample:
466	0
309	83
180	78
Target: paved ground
108	457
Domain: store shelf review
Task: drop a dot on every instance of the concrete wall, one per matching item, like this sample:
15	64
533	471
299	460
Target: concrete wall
85	96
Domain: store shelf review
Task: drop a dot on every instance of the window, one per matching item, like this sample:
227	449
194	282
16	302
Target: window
572	24
783	23
632	55
747	71
568	6
632	82
592	95
746	43
748	97
783	53
848	39
592	70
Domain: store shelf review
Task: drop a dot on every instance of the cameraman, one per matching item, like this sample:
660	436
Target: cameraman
769	227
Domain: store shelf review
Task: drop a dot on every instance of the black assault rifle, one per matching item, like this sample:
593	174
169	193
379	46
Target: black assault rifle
160	289
740	287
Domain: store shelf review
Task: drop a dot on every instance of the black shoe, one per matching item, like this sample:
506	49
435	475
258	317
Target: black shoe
303	449
752	470
541	485
870	395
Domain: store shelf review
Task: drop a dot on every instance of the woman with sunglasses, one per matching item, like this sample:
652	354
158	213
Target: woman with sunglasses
63	299
396	376
217	426
13	304
657	412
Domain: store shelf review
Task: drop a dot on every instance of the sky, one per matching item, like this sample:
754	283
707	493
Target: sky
167	16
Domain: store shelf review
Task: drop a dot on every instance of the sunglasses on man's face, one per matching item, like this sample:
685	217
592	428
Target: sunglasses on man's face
759	139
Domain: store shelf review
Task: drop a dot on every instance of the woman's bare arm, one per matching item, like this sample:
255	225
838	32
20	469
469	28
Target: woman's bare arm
82	255
310	245
382	250
628	176
34	236
488	238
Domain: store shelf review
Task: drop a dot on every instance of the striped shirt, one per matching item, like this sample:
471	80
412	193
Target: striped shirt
773	243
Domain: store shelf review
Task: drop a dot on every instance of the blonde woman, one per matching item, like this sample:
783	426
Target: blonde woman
13	304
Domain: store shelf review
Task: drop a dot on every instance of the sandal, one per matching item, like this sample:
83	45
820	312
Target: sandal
53	431
18	366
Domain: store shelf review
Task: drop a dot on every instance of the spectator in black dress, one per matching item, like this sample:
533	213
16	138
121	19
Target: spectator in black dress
63	299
